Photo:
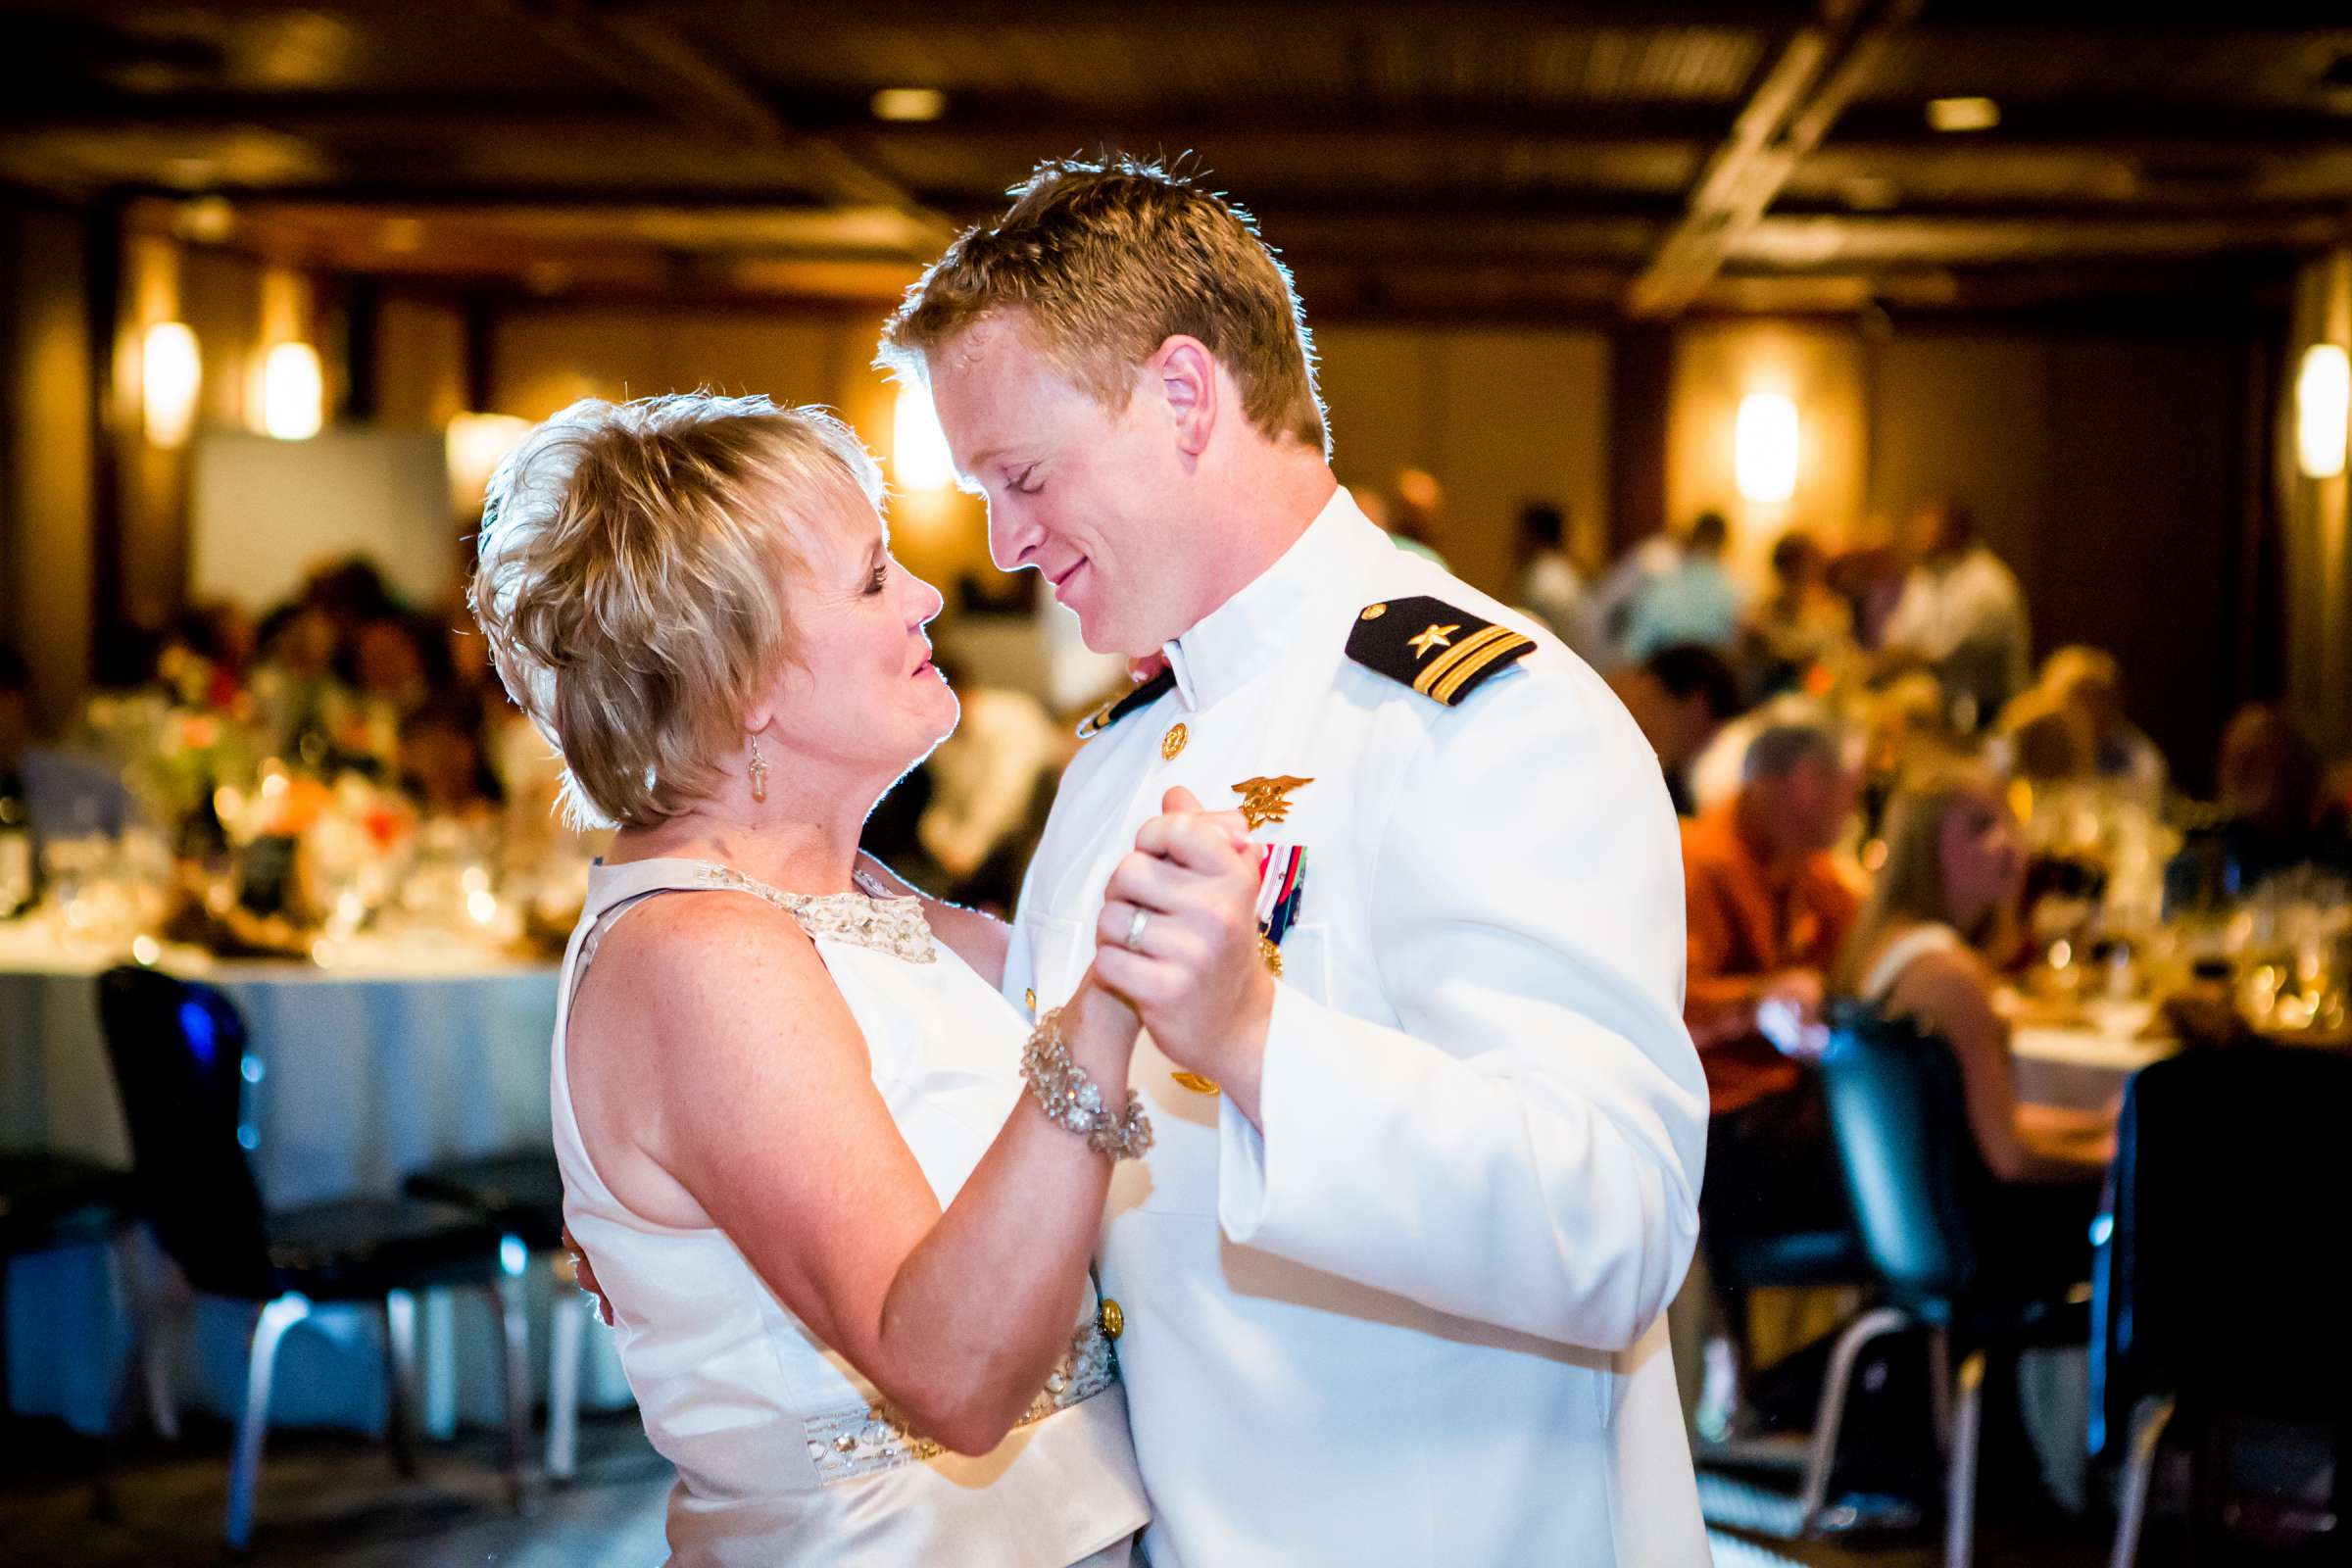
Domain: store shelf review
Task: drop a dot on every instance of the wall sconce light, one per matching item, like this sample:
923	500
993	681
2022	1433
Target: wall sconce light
474	445
2322	410
170	371
293	392
1764	448
918	447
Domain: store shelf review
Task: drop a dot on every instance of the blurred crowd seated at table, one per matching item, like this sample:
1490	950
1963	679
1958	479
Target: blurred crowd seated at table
347	762
1890	812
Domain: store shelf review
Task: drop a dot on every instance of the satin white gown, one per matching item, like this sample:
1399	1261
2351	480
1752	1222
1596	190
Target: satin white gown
785	1451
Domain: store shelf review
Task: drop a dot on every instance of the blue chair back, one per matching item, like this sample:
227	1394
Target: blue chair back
1899	1118
2218	1282
177	1049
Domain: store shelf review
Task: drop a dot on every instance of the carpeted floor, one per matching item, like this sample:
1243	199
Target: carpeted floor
332	1499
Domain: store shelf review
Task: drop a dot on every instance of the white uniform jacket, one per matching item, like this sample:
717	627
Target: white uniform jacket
1419	1319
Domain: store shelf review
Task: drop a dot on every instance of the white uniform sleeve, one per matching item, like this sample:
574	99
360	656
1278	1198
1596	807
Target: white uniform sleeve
1525	1150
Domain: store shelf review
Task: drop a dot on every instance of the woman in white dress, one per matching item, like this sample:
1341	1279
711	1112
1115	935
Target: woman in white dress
845	1246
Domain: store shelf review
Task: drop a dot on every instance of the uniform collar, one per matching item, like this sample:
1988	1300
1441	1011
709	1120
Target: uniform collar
1246	635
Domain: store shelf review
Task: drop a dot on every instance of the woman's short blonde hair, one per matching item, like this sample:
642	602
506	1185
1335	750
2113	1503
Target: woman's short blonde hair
1107	261
630	583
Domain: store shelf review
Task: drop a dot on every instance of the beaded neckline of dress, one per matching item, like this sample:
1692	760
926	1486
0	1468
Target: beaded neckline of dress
892	926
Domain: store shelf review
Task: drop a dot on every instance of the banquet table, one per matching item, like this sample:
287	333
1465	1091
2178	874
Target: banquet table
387	1058
2082	1061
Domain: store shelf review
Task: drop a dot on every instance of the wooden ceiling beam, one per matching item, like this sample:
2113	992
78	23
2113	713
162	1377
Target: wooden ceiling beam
638	52
1818	71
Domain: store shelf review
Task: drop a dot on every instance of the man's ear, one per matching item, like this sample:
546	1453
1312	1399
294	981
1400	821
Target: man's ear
1186	373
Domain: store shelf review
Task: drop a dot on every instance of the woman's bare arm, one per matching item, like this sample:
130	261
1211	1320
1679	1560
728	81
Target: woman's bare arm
746	1095
1952	992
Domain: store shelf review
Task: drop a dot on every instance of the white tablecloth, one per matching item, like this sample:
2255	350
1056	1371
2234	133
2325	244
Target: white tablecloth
392	1059
2084	1066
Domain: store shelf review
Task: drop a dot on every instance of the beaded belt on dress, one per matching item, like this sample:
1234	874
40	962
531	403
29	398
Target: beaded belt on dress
864	1441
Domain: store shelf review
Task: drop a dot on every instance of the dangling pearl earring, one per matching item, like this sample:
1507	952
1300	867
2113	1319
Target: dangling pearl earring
758	773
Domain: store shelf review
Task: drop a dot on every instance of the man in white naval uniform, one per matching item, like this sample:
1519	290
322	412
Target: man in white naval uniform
1394	1275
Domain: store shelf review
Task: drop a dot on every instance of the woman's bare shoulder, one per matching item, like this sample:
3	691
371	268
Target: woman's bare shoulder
699	966
1953	985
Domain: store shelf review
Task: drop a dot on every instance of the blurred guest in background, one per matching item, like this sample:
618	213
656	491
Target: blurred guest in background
2088	684
1693	601
16	730
442	764
1551	588
1416	503
1902	727
1869	574
1768	913
1962	614
392	663
1680	697
1802	625
206	657
299	699
2042	742
1928	948
2274	814
991	782
1611	608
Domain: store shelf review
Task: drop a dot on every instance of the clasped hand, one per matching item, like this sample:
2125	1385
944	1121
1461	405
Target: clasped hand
1191	966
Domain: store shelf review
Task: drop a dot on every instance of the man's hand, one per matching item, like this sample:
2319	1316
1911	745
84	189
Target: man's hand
585	1276
1193	973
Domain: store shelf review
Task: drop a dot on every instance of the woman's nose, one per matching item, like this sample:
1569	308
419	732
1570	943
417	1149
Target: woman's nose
929	602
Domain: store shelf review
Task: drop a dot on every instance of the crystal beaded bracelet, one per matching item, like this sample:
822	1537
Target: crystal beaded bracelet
1071	1098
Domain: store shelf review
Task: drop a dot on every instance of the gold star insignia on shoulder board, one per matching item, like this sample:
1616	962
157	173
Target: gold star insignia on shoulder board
1452	656
1268	800
1436	636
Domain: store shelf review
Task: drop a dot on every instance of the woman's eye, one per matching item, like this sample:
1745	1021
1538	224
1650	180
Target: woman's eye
873	585
1025	482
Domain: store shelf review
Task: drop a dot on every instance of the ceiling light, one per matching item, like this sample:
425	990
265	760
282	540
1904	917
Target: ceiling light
1963	114
207	220
909	104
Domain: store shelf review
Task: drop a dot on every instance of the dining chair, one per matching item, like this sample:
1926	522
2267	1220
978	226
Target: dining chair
1915	1179
49	1199
521	1193
2216	1297
178	1053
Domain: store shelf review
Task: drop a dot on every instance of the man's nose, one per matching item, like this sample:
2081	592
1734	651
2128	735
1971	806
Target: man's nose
1011	535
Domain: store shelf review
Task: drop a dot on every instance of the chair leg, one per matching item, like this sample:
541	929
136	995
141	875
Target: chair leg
270	1324
1940	1387
515	1367
400	1379
1960	1486
158	1306
1821	1454
567	1342
2132	1510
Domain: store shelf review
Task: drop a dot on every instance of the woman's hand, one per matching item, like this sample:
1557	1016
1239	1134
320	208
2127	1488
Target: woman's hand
1191	966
